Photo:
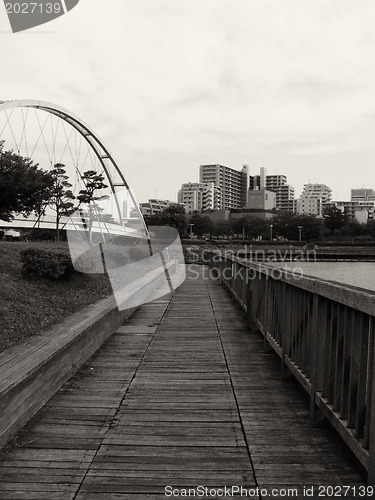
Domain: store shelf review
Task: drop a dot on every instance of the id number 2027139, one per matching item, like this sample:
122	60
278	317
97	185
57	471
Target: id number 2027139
33	8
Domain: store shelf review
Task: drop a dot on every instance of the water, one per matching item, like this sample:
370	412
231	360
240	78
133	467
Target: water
358	274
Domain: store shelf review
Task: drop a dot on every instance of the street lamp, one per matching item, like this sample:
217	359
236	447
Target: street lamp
271	226
300	232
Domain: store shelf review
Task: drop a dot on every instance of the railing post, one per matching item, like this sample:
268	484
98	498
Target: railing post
370	416
285	331
236	283
267	314
249	307
317	335
244	288
251	283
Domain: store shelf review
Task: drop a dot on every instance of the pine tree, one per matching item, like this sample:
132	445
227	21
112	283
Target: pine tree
61	199
93	182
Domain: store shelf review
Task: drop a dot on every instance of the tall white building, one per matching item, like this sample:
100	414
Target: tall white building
233	183
284	192
313	199
200	196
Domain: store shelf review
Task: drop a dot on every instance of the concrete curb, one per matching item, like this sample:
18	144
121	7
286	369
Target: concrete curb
30	374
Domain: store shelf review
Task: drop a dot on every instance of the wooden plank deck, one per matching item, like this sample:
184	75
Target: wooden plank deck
182	395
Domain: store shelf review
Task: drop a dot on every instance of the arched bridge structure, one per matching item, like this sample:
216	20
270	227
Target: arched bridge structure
61	137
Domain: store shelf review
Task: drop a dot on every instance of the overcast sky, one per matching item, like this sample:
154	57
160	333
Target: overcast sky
171	84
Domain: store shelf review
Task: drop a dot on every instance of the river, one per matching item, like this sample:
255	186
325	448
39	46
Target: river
358	274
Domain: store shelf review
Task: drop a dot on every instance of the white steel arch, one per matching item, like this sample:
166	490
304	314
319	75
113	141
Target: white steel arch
104	156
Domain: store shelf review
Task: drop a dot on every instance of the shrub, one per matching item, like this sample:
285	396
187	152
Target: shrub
50	264
38	234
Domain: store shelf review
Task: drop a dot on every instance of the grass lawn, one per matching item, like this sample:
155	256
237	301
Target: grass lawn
30	304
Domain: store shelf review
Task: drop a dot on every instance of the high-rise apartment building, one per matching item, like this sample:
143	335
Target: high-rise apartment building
357	210
274	181
200	196
245	180
277	184
284	192
313	199
233	183
321	191
362	195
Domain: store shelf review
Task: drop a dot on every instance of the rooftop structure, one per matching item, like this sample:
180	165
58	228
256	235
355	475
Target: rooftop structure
362	194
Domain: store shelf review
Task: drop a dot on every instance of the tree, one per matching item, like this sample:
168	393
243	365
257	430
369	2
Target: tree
333	218
201	225
175	216
251	227
175	209
286	225
354	229
153	220
61	197
222	228
25	188
93	182
312	227
370	228
172	216
240	225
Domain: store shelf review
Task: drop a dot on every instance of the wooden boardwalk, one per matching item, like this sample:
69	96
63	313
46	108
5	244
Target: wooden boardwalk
182	395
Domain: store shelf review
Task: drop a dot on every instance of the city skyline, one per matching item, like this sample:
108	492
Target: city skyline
169	86
255	172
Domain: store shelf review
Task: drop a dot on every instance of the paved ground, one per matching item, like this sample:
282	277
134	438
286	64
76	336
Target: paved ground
181	396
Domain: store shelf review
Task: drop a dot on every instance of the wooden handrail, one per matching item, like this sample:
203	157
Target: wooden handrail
324	335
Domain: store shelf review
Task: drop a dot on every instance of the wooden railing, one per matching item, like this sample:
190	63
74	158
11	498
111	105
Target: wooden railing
324	335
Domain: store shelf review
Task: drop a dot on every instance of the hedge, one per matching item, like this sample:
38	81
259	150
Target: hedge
48	263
